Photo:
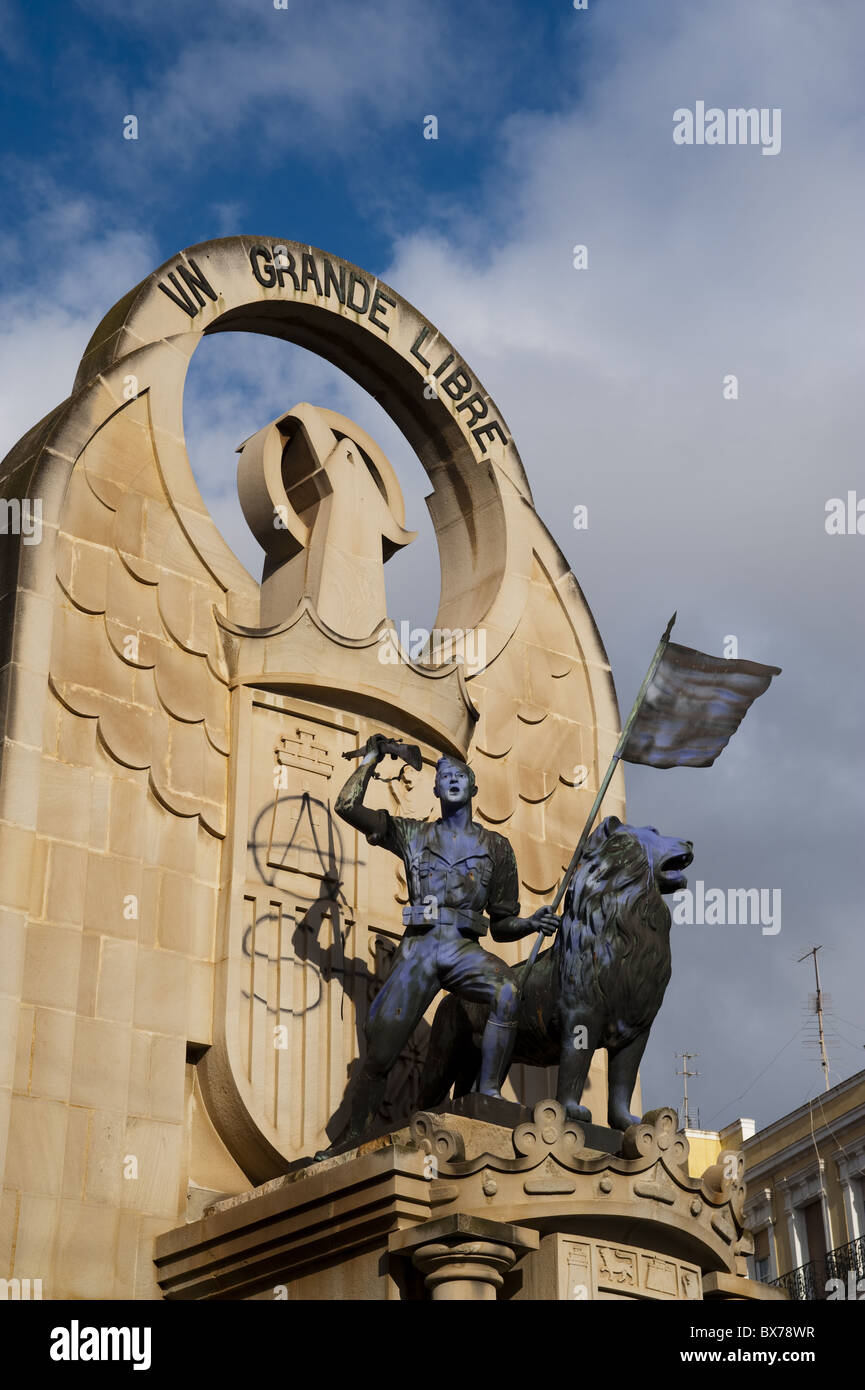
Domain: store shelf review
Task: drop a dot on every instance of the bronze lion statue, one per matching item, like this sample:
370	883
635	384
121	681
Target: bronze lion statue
600	984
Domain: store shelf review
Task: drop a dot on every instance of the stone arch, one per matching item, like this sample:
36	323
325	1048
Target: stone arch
382	342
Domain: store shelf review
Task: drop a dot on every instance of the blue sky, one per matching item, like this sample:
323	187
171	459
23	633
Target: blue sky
249	111
555	128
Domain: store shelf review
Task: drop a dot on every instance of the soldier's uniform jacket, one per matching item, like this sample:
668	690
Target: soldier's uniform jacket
453	877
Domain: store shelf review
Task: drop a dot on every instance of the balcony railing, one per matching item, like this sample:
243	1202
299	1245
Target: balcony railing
809	1281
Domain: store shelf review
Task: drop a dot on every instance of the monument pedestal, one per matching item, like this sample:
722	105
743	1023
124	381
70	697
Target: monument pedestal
455	1208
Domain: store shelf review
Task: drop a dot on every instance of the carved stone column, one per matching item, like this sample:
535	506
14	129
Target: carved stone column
761	1217
464	1269
851	1176
794	1231
464	1257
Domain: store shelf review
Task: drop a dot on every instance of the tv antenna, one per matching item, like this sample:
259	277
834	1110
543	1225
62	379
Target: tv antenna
818	1009
686	1057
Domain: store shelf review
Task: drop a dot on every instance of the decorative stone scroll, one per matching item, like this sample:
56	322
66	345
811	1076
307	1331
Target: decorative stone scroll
646	1182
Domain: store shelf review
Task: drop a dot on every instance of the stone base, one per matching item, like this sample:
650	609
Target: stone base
509	1114
454	1207
474	1106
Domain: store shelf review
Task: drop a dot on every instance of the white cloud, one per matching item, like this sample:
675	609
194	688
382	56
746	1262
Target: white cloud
702	262
280	81
66	272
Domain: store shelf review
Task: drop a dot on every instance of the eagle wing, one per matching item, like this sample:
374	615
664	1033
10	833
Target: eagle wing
547	725
135	644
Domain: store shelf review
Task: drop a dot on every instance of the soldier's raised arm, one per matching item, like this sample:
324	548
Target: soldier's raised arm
349	804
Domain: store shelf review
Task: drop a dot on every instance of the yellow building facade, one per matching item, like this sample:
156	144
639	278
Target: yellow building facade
706	1145
805	1176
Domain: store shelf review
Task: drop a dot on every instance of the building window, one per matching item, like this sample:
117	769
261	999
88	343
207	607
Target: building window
814	1230
761	1255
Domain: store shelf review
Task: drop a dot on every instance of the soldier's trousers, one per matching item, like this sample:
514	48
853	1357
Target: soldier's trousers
427	961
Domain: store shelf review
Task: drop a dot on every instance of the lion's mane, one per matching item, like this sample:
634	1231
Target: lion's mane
613	944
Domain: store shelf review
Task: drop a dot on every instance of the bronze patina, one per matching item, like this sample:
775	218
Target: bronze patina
462	881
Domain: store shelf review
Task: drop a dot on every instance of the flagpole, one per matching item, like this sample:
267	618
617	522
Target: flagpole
608	777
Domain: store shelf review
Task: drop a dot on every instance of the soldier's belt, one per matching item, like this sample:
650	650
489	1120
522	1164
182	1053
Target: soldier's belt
429	915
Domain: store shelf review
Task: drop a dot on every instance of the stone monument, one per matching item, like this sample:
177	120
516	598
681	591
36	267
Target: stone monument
192	938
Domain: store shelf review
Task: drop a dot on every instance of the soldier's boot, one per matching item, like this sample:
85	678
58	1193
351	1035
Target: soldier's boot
497	1046
368	1096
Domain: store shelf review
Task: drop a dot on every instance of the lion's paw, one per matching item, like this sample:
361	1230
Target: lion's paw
622	1119
580	1113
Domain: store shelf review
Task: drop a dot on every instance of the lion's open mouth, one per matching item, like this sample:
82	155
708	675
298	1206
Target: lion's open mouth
671	876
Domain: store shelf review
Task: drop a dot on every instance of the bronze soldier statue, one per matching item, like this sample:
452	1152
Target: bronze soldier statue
459	875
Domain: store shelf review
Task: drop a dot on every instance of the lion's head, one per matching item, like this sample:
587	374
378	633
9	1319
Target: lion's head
630	866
